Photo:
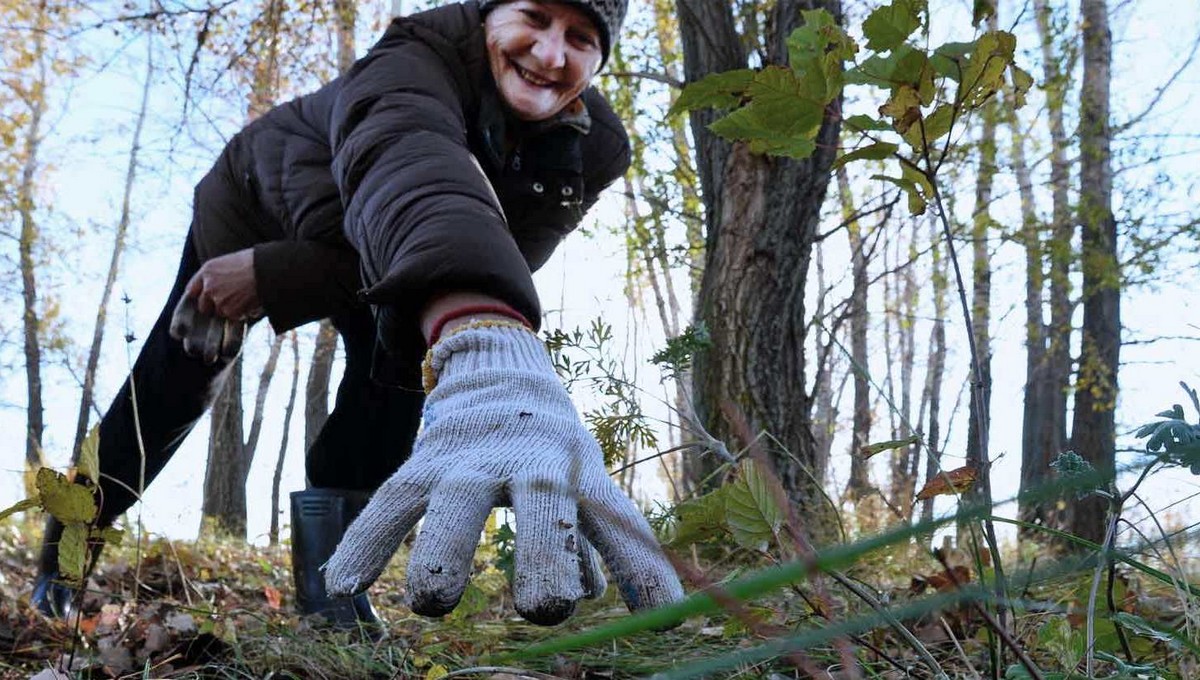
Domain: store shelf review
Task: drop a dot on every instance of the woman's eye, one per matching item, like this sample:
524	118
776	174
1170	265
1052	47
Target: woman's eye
535	17
583	39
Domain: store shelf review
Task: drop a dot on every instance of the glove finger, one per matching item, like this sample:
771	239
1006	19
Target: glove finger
440	564
624	538
231	343
547	582
375	534
594	583
183	318
211	348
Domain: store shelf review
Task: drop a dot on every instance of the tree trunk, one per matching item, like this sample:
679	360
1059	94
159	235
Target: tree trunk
316	390
26	206
229	454
1053	435
761	215
860	433
273	532
981	307
87	399
937	364
1035	465
906	460
320	370
1093	430
825	410
223	510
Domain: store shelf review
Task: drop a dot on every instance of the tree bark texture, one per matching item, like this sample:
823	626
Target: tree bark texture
230	455
26	206
223	510
981	307
1035	463
320	370
761	215
1093	430
1057	373
937	364
273	531
860	433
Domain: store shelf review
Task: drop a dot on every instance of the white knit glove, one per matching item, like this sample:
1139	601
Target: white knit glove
499	429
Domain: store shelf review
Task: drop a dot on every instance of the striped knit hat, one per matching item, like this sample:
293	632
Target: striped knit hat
608	15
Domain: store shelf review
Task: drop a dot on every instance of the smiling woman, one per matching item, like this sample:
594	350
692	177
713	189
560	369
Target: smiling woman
409	201
542	55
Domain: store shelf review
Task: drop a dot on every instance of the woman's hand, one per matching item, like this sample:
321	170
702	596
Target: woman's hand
225	287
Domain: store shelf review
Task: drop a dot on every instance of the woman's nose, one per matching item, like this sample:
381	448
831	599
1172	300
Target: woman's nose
550	49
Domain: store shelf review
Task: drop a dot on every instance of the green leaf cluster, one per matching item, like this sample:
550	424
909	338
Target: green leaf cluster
778	110
73	502
747	509
1174	439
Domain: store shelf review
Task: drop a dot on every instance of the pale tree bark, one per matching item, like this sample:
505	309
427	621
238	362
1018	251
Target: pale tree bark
230	455
981	305
935	377
1035	463
825	410
761	214
273	532
35	101
1093	430
1056	78
87	398
860	433
906	460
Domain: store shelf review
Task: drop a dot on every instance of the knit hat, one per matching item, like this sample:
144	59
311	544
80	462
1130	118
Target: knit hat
608	15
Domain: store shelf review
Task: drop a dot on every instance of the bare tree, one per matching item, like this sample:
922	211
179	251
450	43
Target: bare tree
273	532
88	397
1093	430
34	99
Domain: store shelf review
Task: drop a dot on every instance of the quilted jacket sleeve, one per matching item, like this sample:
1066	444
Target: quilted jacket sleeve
303	281
418	208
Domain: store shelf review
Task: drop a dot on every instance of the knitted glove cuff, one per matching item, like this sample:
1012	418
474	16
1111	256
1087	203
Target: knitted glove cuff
482	345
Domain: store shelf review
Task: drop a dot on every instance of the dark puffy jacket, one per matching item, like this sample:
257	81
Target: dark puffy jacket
407	169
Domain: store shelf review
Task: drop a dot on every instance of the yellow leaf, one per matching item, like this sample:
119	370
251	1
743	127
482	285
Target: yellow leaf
68	502
437	671
952	482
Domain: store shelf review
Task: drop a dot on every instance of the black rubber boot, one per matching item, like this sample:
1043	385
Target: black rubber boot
51	596
319	518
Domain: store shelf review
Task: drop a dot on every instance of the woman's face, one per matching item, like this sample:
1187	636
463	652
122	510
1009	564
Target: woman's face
543	54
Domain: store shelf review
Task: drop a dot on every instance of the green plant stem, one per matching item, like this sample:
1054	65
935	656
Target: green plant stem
978	387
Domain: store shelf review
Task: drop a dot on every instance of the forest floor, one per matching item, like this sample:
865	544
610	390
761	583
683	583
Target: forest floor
222	609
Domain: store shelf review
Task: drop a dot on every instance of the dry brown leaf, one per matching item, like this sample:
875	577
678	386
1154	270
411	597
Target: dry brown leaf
274	597
952	482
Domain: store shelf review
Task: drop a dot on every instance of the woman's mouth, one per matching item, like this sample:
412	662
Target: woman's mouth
531	77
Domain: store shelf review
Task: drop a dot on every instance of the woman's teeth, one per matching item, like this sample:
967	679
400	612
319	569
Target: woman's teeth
530	78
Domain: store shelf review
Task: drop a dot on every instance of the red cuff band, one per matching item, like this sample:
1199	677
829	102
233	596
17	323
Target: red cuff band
503	310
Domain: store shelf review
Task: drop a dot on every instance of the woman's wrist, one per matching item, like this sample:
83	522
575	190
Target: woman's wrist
447	312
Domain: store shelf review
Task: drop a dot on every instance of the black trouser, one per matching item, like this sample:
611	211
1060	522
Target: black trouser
368	434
